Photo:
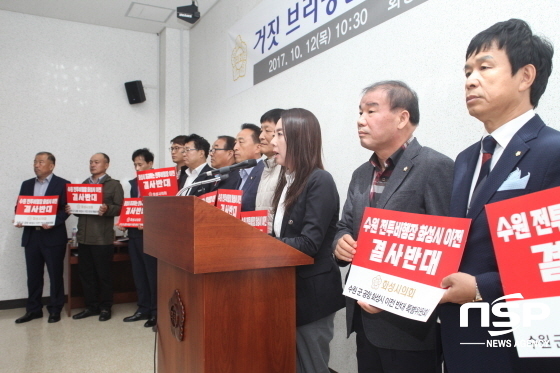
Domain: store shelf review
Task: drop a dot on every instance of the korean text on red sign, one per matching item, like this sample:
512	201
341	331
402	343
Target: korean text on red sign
526	237
84	198
401	259
34	211
257	219
132	213
158	182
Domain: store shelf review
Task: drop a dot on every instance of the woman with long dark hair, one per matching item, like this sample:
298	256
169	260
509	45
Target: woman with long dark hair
306	212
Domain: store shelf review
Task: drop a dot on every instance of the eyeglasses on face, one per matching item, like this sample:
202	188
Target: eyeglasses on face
213	150
176	148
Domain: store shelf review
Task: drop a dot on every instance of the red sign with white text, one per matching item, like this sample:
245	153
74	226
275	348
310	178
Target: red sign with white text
209	197
84	198
158	182
229	200
34	211
526	236
132	213
401	259
257	219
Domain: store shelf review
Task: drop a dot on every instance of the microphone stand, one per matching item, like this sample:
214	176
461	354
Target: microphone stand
185	191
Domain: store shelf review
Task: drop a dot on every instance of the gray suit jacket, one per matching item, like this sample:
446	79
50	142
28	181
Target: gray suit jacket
420	183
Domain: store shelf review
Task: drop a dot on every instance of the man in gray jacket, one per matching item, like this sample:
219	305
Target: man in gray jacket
95	242
401	175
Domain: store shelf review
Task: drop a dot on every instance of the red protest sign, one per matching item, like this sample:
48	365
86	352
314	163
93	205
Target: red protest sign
209	197
84	198
526	236
132	213
229	201
401	259
257	219
34	211
158	182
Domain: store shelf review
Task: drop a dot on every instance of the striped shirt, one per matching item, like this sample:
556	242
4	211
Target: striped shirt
381	175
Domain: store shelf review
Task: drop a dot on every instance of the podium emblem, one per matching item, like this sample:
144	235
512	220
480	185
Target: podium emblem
177	315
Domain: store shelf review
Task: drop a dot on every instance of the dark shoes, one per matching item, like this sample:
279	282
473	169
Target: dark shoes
105	315
137	317
87	313
29	316
152	321
54	317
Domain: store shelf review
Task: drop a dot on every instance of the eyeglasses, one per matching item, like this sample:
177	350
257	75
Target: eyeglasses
213	150
175	148
188	149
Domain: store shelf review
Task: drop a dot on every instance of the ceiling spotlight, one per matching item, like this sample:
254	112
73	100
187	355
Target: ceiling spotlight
188	13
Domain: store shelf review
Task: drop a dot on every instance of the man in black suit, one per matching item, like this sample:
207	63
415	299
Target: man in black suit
176	149
195	154
45	244
144	266
401	175
221	155
248	146
507	70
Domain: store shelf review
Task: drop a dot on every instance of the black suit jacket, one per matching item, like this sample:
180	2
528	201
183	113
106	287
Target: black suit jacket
134	232
56	235
232	182
310	226
534	149
205	188
250	187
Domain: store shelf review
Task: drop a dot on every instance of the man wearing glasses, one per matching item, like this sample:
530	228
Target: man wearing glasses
195	153
221	155
176	149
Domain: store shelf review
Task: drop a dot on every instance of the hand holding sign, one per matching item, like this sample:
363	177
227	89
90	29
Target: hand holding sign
461	288
345	248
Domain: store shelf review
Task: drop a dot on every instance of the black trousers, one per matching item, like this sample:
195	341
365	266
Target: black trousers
373	359
94	267
37	255
144	270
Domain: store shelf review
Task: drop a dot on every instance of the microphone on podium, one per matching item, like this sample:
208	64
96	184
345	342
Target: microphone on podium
238	166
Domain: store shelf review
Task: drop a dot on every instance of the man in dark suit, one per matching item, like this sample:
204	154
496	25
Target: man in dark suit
401	175
507	70
221	155
195	154
176	149
247	146
144	266
45	244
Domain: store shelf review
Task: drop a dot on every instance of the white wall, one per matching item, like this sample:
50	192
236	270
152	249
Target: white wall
425	47
62	90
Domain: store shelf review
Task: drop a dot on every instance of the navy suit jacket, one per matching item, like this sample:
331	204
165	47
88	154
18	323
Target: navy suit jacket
250	187
534	149
56	235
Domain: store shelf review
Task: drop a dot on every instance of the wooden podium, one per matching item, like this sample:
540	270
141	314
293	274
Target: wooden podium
233	285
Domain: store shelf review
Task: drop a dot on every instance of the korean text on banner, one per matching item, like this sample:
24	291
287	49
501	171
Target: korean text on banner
229	201
401	259
132	213
84	198
257	219
209	197
34	211
158	182
526	236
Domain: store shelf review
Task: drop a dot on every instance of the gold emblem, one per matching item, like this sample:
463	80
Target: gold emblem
177	315
239	58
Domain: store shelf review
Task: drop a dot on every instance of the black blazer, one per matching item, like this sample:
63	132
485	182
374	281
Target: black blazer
56	235
232	182
310	226
205	188
134	232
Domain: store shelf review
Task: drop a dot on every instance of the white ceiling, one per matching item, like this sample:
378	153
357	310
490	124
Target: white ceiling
150	16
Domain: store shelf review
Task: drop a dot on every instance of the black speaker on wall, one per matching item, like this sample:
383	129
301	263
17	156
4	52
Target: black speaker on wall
135	92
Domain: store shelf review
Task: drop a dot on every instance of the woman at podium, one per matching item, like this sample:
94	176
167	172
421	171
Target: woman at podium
306	212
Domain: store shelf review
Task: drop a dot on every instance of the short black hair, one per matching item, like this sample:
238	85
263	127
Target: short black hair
400	96
522	48
49	155
256	131
272	116
199	142
144	153
181	139
230	141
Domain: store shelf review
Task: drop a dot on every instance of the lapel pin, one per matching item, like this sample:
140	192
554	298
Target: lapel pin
518	153
405	169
